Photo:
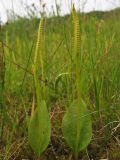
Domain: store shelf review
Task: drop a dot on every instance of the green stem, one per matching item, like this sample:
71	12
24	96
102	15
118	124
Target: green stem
76	156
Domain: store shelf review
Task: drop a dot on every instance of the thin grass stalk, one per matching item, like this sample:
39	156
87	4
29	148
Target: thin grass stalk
2	82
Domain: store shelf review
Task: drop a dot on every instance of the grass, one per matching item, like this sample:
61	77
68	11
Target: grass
100	84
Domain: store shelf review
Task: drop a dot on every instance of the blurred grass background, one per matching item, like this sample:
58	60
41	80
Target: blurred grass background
100	49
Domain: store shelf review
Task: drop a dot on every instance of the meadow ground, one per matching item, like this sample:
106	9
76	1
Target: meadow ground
100	84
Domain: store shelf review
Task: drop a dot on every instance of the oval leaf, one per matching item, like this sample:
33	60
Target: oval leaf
39	129
77	126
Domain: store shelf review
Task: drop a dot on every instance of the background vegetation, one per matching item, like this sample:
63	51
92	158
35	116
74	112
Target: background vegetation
100	82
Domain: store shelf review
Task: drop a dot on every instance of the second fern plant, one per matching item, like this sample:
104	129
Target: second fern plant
76	124
39	129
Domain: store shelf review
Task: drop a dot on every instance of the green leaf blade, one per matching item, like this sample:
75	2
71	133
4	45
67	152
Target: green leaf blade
77	126
39	130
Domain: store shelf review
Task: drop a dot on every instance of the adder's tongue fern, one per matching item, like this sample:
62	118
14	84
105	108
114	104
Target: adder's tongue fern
76	124
39	129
